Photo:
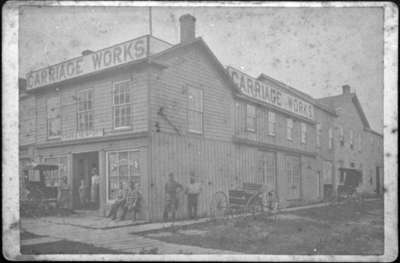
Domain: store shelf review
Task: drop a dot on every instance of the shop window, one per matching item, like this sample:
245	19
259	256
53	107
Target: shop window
318	138
122	105
351	139
52	178
269	169
341	136
195	110
303	133
85	110
342	176
289	129
250	118
123	168
271	123
53	117
330	140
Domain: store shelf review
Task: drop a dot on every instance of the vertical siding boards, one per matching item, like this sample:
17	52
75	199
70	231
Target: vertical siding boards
211	161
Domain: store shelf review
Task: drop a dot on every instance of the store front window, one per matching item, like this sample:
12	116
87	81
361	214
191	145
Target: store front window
53	178
123	168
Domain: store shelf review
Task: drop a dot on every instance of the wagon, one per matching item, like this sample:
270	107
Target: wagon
249	198
41	197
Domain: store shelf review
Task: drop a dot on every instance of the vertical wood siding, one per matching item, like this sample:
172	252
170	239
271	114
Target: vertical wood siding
211	160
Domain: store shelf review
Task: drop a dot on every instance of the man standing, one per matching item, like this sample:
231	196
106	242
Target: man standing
171	198
193	191
94	191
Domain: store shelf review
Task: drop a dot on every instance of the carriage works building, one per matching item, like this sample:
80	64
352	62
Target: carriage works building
144	108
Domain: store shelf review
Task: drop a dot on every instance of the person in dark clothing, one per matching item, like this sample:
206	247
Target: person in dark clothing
121	198
132	201
171	198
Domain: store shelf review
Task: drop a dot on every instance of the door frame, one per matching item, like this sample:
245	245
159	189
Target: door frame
74	163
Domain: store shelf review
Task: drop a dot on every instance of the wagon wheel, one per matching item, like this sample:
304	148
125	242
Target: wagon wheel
255	204
219	205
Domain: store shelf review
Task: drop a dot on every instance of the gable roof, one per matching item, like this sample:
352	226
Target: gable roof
200	42
332	100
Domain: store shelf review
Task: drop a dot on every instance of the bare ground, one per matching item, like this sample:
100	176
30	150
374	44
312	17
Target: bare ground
347	229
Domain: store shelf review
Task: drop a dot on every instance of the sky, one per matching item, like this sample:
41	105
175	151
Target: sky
315	50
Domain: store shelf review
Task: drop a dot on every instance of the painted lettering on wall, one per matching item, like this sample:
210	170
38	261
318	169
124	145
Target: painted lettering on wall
256	89
102	59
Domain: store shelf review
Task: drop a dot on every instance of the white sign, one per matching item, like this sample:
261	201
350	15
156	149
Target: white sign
256	89
84	134
106	58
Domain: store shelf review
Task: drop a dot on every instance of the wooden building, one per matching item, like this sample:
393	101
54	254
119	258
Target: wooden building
357	146
144	108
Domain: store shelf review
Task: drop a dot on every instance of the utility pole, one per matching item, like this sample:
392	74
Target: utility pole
150	22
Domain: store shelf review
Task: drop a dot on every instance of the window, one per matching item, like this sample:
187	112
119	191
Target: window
85	110
250	118
53	117
122	104
123	167
195	110
52	178
303	132
341	135
330	141
318	139
271	123
359	142
269	169
351	140
289	129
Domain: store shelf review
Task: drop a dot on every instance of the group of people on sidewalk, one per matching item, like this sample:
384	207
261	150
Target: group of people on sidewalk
130	200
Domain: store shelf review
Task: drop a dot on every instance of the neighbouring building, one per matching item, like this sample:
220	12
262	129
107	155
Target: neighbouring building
358	148
143	108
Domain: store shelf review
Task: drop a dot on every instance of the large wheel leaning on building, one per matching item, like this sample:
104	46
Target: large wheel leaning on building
219	205
255	204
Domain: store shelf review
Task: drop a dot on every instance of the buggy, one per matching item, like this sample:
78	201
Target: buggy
41	197
249	198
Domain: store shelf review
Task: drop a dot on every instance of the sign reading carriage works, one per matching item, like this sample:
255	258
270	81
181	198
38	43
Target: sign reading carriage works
96	61
256	89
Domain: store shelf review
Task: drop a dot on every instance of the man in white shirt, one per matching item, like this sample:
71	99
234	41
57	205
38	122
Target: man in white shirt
193	190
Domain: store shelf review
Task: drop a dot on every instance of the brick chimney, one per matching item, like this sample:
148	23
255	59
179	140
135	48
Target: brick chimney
86	52
188	27
345	89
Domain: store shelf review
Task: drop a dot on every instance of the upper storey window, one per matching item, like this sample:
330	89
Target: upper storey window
303	133
85	110
351	139
53	117
341	135
122	105
289	129
251	118
330	141
271	123
195	110
319	130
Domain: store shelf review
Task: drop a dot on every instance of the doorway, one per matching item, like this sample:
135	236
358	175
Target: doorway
85	187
